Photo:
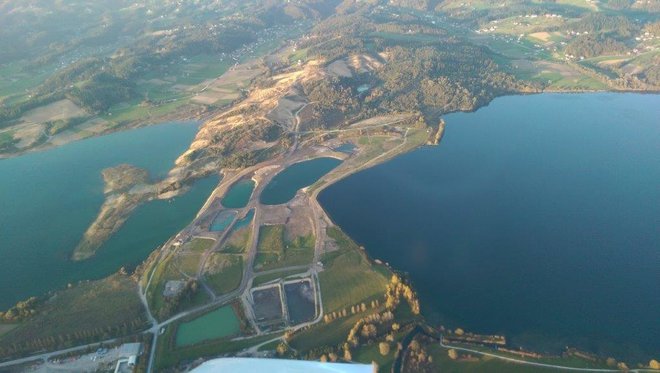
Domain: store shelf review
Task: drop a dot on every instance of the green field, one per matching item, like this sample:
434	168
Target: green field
582	83
348	277
322	334
271	239
300	54
238	241
5	328
167	270
370	353
274	252
15	81
229	277
135	111
162	273
191	253
6	139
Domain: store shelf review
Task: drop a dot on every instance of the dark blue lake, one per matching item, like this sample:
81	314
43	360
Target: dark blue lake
537	217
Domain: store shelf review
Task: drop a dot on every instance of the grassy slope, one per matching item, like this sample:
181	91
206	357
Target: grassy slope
229	278
348	277
167	270
90	307
189	262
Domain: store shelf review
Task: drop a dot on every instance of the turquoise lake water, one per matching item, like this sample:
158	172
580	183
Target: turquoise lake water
537	217
222	221
48	199
239	194
247	220
284	186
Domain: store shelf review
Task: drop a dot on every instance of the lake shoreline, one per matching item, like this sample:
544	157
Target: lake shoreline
348	173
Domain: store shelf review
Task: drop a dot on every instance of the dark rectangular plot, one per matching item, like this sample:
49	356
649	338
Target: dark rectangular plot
267	304
300	302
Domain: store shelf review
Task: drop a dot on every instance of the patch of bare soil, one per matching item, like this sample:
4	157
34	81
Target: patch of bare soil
228	86
28	135
63	109
339	68
284	113
363	63
381	120
90	128
275	215
566	71
299	222
233	130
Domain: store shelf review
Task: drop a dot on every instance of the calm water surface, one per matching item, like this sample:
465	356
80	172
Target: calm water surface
284	186
48	199
239	194
216	324
537	217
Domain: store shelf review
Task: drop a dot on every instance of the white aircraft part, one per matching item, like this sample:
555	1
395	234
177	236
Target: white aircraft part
249	365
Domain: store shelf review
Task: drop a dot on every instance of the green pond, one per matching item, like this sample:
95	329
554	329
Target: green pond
222	221
239	194
284	186
217	324
49	199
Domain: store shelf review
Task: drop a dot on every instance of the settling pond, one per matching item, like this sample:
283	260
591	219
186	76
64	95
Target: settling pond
300	301
537	217
284	186
242	223
239	194
48	199
222	221
216	324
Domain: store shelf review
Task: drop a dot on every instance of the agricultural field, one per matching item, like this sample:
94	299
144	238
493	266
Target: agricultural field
274	251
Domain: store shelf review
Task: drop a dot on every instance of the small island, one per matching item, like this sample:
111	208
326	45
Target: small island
126	186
